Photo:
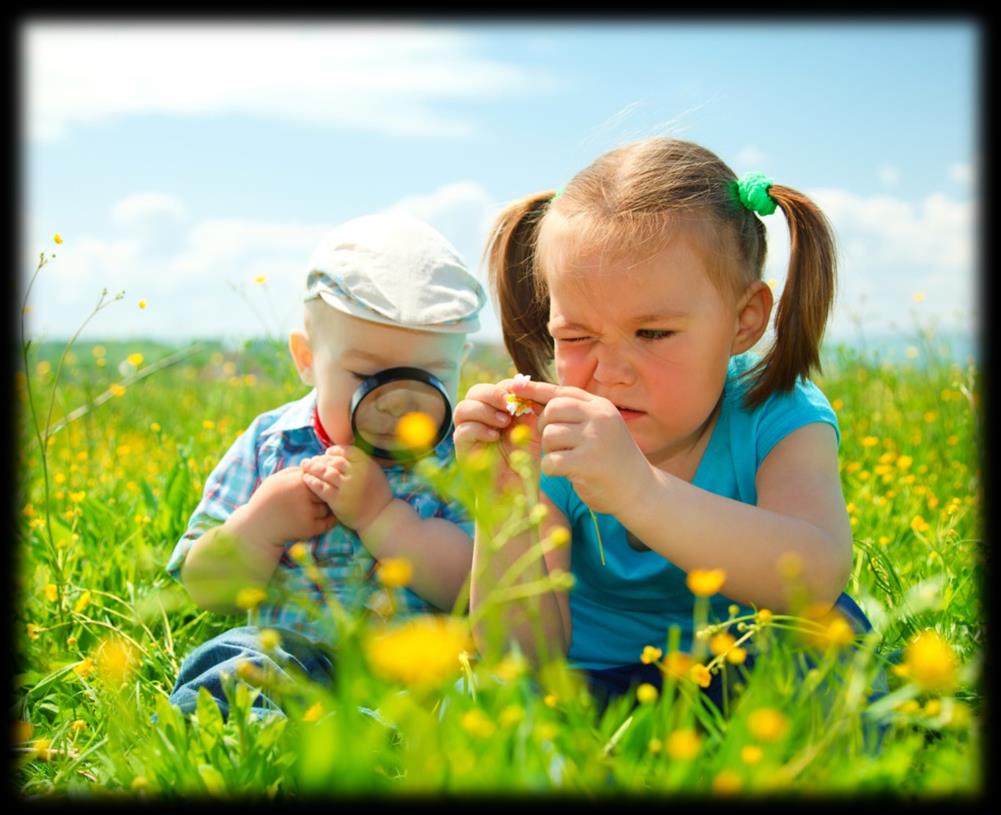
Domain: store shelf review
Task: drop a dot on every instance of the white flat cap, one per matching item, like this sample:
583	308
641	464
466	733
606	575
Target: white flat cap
395	269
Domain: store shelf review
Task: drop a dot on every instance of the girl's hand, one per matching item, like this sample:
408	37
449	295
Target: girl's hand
585	439
482	420
350	482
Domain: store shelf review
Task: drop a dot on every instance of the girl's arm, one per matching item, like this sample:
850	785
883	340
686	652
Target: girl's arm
540	622
800	512
800	509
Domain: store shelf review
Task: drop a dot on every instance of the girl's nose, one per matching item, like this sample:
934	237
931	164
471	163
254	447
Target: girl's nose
612	366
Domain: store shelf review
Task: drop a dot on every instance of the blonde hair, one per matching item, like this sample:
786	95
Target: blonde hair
635	195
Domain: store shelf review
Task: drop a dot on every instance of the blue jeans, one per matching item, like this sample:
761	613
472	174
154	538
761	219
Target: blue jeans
203	667
609	683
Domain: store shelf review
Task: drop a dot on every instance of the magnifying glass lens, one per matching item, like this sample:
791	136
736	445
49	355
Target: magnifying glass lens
403	417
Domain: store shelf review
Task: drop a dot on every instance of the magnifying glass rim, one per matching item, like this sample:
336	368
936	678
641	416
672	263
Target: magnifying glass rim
381	378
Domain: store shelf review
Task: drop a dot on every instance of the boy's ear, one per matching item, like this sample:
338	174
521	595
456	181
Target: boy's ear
753	313
302	355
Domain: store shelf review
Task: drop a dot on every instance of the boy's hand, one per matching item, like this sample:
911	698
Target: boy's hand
351	483
283	509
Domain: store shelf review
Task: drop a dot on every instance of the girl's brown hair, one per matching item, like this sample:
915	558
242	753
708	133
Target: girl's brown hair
633	196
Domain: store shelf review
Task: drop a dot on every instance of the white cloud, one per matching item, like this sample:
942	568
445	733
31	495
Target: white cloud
889	176
198	279
370	76
961	173
748	157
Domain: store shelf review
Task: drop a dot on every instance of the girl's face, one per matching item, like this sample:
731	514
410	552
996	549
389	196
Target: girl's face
654	337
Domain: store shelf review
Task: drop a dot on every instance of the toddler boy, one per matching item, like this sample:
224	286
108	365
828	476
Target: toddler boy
382	291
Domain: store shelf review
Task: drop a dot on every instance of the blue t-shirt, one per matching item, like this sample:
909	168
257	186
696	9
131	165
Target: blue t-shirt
636	596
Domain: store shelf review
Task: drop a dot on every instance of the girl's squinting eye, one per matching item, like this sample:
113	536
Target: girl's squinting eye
653	333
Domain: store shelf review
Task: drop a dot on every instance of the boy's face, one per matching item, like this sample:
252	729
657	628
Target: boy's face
339	351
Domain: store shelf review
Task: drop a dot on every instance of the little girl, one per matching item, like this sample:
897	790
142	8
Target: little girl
641	281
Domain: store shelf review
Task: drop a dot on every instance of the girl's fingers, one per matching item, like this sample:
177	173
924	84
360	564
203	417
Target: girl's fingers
559	436
555	463
545	392
469	434
470	410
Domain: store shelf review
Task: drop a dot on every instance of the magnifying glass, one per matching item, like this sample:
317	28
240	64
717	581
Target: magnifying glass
400	413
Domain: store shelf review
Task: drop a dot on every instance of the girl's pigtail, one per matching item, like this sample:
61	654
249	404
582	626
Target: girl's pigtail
523	304
806	301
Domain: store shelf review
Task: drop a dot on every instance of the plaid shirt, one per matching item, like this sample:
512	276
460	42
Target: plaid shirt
282	438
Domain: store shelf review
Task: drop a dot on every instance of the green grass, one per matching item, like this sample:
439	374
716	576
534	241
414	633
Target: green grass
123	477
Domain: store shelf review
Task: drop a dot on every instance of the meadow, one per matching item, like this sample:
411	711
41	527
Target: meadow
116	438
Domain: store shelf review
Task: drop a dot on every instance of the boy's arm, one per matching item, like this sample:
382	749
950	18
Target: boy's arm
355	487
439	550
244	551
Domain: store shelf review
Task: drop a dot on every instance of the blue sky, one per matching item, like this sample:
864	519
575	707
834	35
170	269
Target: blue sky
181	161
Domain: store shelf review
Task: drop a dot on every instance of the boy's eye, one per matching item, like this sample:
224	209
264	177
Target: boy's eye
653	333
358	376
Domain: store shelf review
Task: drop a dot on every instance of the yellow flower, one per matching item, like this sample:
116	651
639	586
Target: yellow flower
22	731
395	572
764	616
549	700
929	662
269	639
78	726
139	783
57	238
736	656
646	693
82	603
117	389
250	597
77	497
705	582
41	749
511	667
416	430
299	551
516	405
828	627
919	296
51	593
726	782
870	441
43	368
919	524
135	359
142	304
558	536
260	279
84	668
700	675
767	724
721	643
207	424
116	660
677	664
512	715
313	713
751	754
421	652
683	745
476	723
521	435
904	462
650	654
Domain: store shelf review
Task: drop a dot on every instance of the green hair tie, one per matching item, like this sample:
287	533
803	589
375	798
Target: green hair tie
752	189
557	194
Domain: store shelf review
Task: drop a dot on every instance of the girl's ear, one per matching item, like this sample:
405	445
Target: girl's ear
302	356
753	313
